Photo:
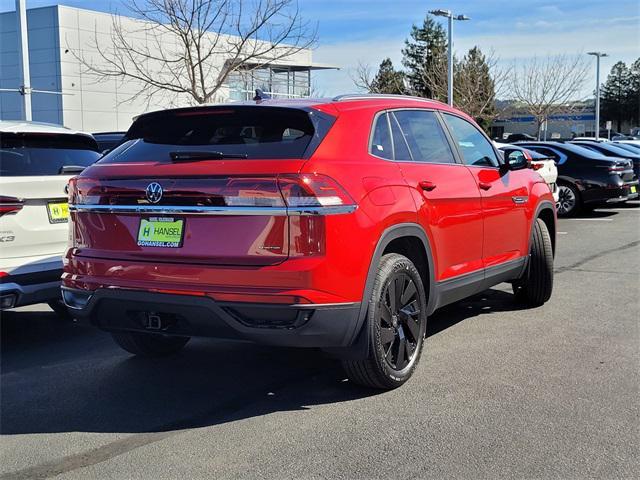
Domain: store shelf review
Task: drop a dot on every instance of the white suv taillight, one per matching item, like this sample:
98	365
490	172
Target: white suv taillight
10	205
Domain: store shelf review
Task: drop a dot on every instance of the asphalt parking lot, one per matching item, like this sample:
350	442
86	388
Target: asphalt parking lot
551	392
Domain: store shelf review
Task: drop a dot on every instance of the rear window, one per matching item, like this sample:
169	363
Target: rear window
580	150
258	132
44	154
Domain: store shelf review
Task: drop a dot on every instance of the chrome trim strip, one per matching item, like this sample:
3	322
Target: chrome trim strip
520	200
197	210
312	306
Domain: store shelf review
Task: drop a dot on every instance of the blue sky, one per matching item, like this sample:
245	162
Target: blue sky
352	31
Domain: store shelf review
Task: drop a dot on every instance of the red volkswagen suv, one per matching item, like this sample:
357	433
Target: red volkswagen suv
340	224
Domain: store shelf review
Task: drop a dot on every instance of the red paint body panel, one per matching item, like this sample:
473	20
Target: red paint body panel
316	259
451	214
502	214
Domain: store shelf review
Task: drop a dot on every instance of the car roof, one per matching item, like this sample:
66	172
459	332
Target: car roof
338	103
21	126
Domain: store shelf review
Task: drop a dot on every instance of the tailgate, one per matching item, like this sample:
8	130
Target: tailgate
213	219
40	227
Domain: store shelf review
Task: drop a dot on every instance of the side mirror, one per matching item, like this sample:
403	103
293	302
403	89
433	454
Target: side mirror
515	159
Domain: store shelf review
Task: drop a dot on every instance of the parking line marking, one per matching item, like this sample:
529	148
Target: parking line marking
562	233
621	210
590	219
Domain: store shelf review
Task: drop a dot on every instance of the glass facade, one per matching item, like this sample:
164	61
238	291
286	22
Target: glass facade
276	81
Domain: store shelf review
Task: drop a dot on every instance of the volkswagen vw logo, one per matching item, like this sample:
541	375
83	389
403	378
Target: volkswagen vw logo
154	192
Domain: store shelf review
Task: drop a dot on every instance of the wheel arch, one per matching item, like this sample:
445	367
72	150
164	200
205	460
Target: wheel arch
545	211
408	239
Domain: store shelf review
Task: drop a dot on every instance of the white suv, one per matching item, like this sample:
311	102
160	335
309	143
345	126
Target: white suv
36	162
545	166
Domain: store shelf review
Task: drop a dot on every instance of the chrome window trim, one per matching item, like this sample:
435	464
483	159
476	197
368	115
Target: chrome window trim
222	211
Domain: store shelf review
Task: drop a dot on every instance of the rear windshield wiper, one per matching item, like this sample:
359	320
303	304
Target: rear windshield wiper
203	155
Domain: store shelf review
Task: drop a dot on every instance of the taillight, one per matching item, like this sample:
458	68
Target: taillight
301	194
249	192
537	166
83	190
617	168
10	205
312	190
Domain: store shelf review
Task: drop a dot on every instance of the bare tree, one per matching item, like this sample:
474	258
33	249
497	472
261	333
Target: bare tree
385	80
478	79
192	47
546	86
363	77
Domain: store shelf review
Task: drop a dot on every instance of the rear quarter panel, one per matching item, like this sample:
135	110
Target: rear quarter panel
378	188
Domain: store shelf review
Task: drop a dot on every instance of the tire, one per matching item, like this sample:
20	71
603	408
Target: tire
60	309
536	285
149	344
569	201
396	326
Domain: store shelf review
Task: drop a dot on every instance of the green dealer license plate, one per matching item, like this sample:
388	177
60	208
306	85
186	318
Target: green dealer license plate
160	232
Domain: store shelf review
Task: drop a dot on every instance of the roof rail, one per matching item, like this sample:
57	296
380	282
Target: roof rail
366	96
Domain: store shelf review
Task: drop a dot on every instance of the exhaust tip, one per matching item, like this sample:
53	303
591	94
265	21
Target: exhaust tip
75	299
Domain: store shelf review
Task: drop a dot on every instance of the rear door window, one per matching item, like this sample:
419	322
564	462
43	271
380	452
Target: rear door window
259	132
44	154
424	136
474	147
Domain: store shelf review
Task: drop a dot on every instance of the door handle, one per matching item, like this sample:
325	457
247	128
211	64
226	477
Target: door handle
484	186
427	185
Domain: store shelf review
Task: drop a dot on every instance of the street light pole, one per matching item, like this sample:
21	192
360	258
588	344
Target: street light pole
23	58
597	55
451	17
450	64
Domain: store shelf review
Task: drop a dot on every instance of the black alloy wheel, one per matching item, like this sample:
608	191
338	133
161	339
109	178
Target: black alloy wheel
395	328
399	317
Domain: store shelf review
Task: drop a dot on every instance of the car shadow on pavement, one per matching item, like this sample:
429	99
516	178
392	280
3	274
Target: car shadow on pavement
623	205
74	379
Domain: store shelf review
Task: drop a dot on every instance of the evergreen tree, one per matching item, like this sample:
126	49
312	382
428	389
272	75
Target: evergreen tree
474	88
425	59
388	80
615	93
633	99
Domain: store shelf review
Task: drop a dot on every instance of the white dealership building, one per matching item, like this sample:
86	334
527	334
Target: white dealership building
59	35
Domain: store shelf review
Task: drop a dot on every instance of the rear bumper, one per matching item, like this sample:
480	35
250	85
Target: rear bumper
30	288
612	194
298	325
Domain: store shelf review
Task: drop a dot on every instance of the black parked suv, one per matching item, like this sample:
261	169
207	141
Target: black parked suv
107	141
586	178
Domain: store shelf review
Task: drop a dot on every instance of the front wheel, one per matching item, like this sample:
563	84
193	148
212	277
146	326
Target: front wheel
149	344
536	285
569	202
396	326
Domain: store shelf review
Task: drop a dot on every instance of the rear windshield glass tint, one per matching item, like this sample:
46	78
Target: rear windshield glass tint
44	154
257	132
